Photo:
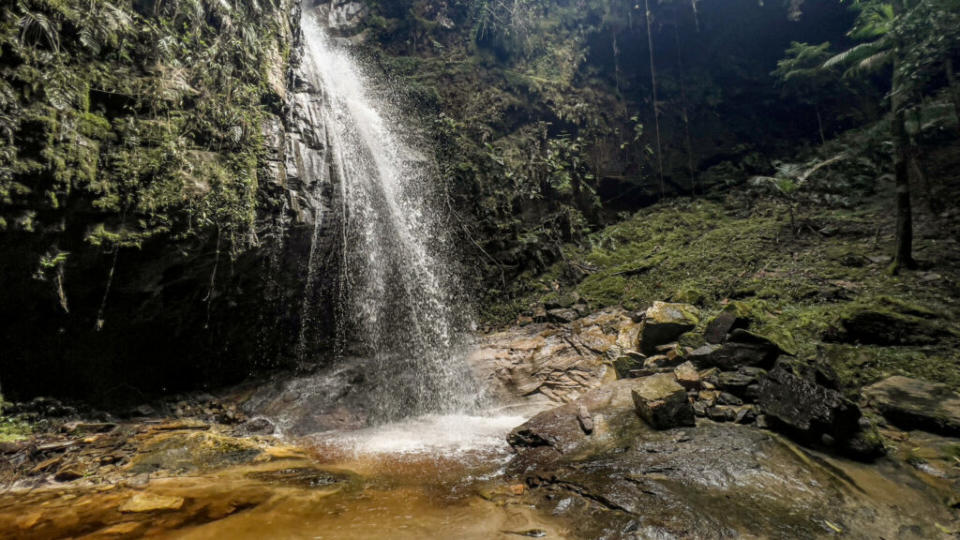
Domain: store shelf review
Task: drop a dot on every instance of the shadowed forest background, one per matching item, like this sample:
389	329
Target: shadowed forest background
588	153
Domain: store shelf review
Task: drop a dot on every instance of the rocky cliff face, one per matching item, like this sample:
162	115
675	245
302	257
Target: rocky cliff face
160	198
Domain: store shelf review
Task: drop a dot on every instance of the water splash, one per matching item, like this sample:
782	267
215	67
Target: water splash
400	300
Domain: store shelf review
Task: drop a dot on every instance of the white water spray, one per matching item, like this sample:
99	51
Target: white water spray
400	300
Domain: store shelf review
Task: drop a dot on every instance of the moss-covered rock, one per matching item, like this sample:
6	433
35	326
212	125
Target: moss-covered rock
873	325
664	322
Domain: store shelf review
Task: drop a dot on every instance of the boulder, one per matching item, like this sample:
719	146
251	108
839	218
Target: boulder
602	418
733	316
662	402
741	382
562	315
915	404
627	362
687	375
741	349
664	323
807	410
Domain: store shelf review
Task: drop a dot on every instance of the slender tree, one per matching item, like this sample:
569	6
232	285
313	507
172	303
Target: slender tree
877	23
653	86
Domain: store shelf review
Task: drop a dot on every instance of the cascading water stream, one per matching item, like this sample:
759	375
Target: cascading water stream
399	296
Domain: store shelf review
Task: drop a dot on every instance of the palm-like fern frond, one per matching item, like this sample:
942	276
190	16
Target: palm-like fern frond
858	53
875	20
36	26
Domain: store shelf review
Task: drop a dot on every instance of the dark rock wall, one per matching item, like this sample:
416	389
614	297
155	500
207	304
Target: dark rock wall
192	305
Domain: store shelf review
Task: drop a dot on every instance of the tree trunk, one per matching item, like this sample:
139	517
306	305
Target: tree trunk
653	84
823	138
954	90
903	254
683	111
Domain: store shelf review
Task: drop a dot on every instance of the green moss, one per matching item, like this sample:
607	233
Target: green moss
95	127
794	291
13	430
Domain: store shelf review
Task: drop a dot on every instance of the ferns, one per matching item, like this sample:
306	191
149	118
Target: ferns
35	27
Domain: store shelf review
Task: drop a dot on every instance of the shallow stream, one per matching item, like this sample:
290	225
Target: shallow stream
429	477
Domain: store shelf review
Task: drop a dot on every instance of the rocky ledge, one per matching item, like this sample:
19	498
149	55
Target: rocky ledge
733	437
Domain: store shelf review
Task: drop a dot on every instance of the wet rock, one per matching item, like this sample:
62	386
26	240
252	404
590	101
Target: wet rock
257	426
721	413
306	477
701	355
805	409
69	474
746	415
181	451
149	502
79	428
662	402
742	383
687	375
562	316
559	363
726	398
559	433
722	480
915	404
585	419
661	361
627	362
664	323
741	349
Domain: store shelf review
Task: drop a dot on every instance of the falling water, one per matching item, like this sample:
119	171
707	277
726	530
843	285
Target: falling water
399	297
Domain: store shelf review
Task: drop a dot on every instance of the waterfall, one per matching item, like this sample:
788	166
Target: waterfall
401	305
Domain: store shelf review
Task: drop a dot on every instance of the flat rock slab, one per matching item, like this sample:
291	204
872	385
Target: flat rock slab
915	404
148	502
550	362
731	481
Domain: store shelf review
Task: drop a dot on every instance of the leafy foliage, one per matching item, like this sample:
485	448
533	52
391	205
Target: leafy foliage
145	122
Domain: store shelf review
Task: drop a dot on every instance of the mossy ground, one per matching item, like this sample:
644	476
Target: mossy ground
795	286
12	430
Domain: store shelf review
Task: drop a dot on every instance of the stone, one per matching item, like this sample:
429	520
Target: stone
726	398
687	375
746	415
742	348
708	397
585	419
805	409
701	355
258	426
662	402
721	413
149	502
628	361
664	323
733	316
559	433
77	428
719	326
916	404
661	361
562	316
68	474
739	382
